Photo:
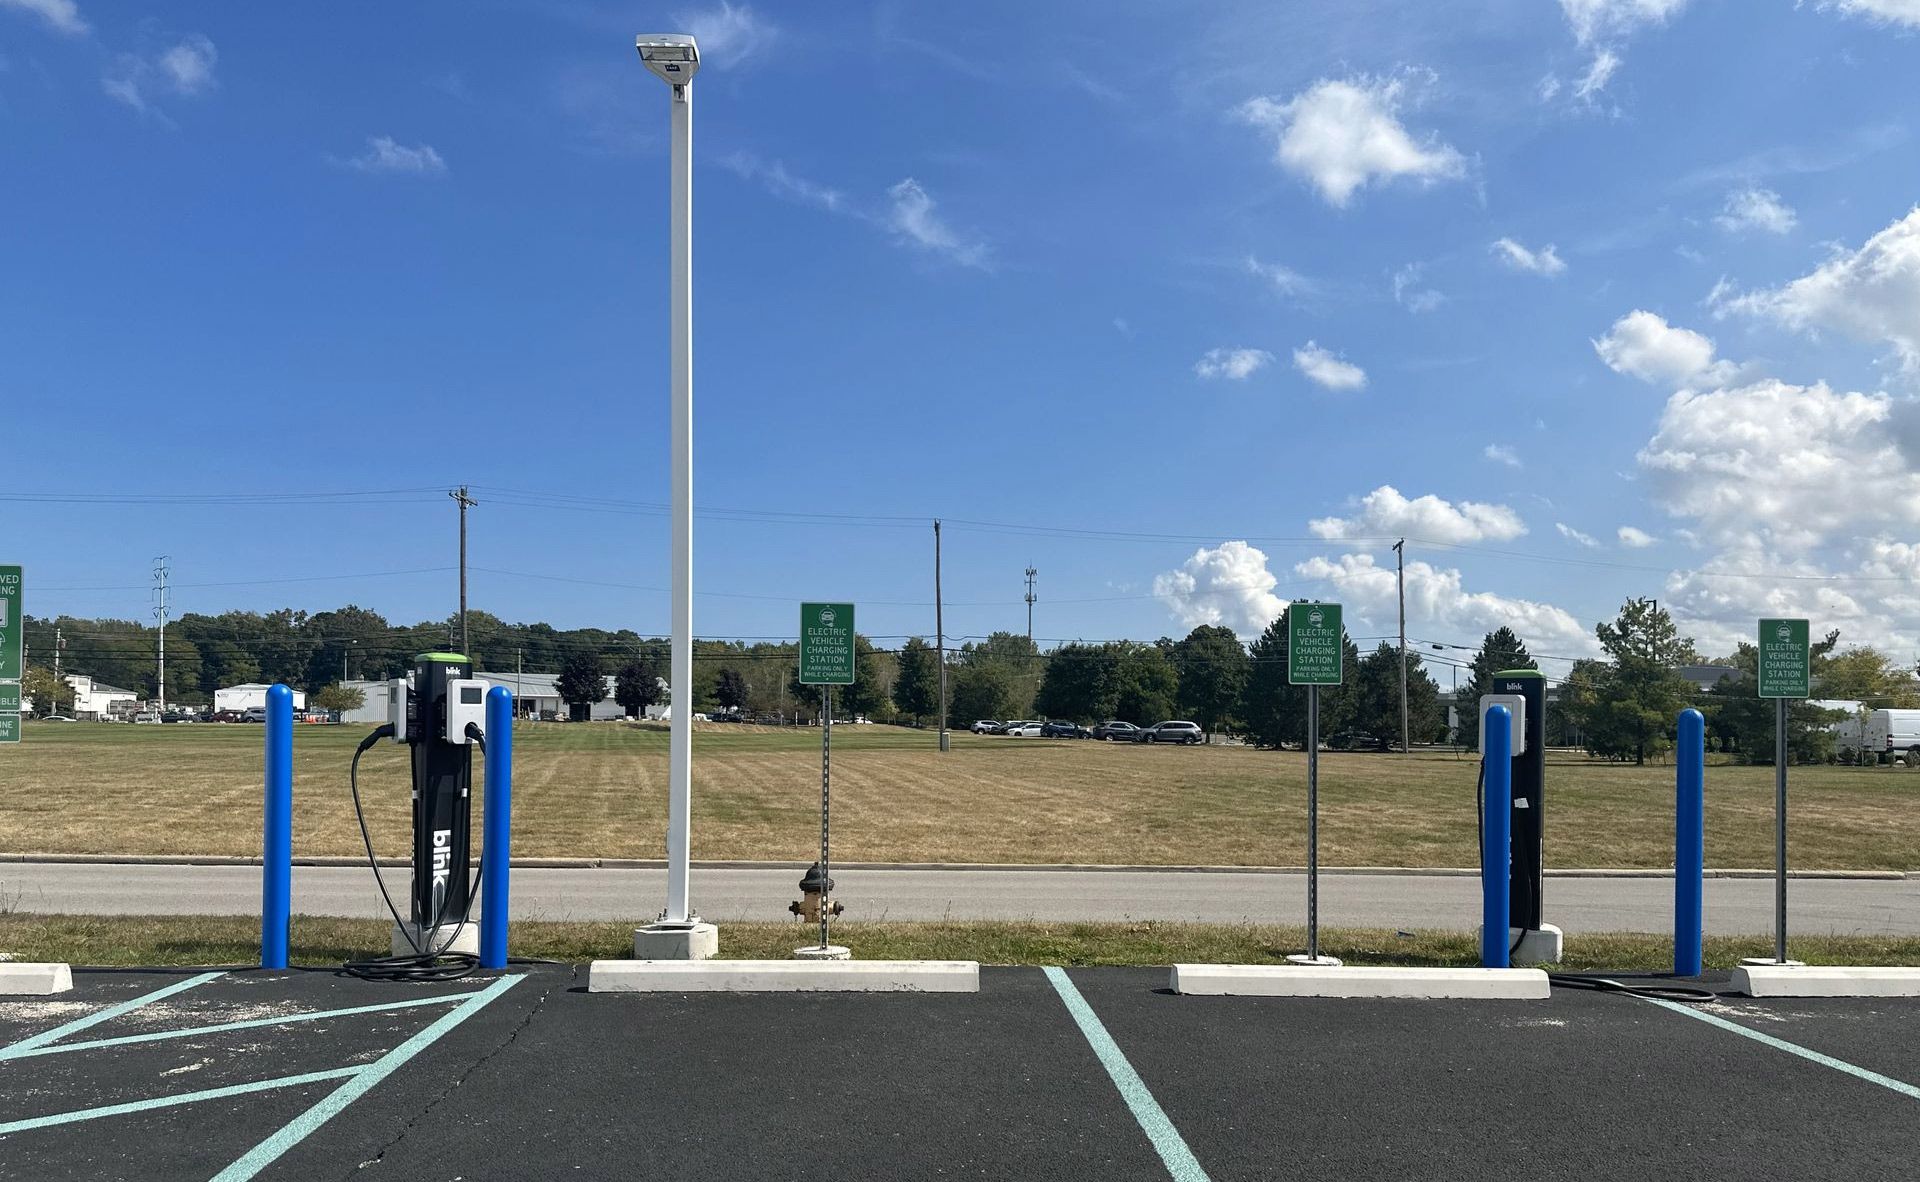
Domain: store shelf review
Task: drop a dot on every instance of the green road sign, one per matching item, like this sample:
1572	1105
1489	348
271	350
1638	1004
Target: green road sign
1314	649
9	697
1785	659
826	644
9	728
12	624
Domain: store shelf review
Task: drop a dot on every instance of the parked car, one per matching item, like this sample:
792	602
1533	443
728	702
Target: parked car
179	716
1024	730
226	716
147	717
1114	731
254	714
56	718
1064	730
1172	732
1358	741
984	726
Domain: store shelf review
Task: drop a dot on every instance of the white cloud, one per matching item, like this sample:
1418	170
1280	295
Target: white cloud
62	16
1409	294
728	36
1595	20
1233	364
1229	584
183	69
1284	279
1575	536
1500	453
1438	601
1799	464
1599	72
1328	370
1643	345
1344	134
1538	262
383	154
1893	12
773	175
1384	512
912	216
1754	208
1871	294
1634	538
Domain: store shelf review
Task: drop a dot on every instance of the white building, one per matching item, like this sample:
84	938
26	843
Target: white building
95	701
251	695
535	695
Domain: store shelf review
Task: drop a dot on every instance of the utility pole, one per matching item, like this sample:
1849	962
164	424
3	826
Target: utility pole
940	636
516	681
1030	573
160	573
1400	553
460	495
59	642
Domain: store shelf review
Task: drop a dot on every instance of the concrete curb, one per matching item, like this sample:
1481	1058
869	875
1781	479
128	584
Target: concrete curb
1250	980
1825	981
34	979
783	976
983	867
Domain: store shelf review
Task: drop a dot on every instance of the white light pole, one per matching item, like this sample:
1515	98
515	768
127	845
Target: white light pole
674	59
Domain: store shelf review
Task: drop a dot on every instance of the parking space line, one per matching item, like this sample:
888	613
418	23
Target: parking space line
159	1035
153	1102
300	1127
1181	1165
25	1045
1781	1044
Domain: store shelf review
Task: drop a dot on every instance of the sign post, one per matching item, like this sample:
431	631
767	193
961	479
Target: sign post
1315	656
1784	672
826	660
13	626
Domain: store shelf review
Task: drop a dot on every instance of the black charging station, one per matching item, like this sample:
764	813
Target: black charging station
1529	797
442	787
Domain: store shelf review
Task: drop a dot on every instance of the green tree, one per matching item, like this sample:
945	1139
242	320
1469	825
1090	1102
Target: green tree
1743	722
1500	649
1212	666
1274	711
1629	702
1144	685
336	696
582	682
980	691
1864	675
1374	700
916	685
730	690
867	696
636	686
1076	684
50	694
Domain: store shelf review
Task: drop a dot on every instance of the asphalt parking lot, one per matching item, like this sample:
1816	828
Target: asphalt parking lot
1088	1074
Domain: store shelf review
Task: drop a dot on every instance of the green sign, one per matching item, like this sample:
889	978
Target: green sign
1314	644
9	697
1784	659
826	644
9	728
12	625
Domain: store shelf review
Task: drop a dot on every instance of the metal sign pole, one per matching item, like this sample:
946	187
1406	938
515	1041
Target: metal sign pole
826	782
1313	823
1780	830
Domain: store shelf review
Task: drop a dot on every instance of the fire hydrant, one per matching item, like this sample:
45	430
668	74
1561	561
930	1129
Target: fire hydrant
813	887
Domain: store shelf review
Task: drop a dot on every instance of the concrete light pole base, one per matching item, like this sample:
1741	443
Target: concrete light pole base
676	941
1319	962
815	952
432	939
1541	945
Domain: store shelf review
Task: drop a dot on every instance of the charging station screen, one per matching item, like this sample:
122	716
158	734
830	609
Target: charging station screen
469	695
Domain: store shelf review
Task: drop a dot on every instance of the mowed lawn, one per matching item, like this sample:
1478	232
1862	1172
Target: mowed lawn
599	790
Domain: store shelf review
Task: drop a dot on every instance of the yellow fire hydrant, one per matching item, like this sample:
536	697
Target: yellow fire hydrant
814	887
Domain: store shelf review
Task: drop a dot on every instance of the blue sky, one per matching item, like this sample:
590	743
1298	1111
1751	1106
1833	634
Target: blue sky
1585	298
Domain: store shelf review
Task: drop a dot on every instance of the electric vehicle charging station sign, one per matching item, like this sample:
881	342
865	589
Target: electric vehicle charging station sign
1785	659
826	644
12	624
1314	649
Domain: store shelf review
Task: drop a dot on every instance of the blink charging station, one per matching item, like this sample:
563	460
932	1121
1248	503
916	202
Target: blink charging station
1524	693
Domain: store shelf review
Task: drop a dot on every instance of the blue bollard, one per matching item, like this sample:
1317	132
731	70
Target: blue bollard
1496	747
496	855
276	848
1689	843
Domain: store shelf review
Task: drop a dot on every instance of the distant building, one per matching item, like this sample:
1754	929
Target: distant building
1705	677
250	695
535	695
95	701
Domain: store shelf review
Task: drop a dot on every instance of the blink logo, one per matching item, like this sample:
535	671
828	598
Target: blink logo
442	858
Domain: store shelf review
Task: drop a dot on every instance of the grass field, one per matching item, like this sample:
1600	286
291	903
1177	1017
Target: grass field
600	791
235	940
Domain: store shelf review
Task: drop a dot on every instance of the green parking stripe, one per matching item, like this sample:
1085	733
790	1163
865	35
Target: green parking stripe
1181	1165
153	1102
1781	1044
284	1019
25	1045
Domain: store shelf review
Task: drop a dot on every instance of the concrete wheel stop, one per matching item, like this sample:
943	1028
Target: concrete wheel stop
1769	978
783	976
1304	980
26	978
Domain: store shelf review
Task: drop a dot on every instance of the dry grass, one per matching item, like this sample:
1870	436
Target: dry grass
235	940
599	791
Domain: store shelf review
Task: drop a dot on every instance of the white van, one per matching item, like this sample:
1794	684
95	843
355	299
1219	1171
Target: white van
1895	732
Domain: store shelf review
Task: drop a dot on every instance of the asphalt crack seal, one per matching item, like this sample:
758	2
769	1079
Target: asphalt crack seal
512	1036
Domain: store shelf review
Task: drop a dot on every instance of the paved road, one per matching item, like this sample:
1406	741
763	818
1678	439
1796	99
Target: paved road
1734	906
